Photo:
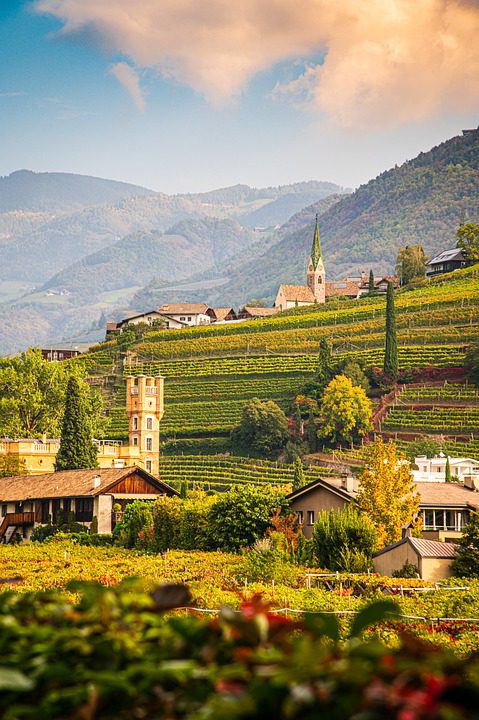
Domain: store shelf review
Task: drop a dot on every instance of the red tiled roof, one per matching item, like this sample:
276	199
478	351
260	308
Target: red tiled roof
69	483
342	288
260	311
184	309
297	293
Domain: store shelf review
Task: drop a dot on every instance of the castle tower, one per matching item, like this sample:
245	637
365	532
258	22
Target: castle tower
316	276
144	409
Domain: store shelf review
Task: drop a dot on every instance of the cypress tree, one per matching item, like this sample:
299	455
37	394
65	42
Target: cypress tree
184	490
371	282
391	352
77	451
448	470
298	479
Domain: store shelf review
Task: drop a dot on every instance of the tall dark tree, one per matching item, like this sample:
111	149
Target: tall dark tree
391	352
77	451
371	281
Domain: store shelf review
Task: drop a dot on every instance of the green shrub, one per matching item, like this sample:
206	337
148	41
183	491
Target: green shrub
136	522
408	570
339	532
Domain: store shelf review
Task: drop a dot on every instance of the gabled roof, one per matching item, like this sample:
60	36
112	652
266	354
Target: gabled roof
300	293
452	254
72	483
446	494
137	315
259	311
342	288
319	482
112	326
184	309
221	313
423	548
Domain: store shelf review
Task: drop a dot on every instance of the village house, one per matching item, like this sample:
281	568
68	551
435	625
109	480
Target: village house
56	354
444	507
434	469
28	501
189	314
144	410
432	559
221	315
249	312
445	262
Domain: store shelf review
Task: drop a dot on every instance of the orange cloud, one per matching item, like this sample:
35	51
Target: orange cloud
386	61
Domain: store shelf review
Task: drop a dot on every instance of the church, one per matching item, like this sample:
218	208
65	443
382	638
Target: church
291	296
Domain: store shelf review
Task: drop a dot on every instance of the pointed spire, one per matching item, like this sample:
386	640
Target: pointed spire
316	254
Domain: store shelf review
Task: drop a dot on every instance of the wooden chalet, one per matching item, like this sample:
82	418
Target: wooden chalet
31	500
223	314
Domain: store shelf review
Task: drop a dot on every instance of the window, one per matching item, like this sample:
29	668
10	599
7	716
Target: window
4	509
310	517
189	318
300	517
67	506
44	511
149	465
84	509
424	468
167	324
182	318
135	423
149	443
444	519
149	423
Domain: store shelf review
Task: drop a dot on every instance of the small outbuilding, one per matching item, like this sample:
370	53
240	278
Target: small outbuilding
432	558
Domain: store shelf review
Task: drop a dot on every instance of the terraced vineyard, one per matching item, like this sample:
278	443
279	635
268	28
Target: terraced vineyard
435	420
220	472
211	371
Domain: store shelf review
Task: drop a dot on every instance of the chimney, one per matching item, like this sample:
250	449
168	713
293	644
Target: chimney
349	484
96	482
406	531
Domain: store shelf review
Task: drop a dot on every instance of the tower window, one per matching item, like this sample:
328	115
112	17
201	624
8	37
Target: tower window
149	443
149	423
149	465
135	441
135	423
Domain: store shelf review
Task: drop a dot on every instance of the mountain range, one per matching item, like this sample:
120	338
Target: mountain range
76	249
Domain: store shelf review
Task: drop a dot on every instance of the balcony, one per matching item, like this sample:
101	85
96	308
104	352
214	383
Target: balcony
16	520
151	390
134	390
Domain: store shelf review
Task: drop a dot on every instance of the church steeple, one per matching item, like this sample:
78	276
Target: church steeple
316	254
316	276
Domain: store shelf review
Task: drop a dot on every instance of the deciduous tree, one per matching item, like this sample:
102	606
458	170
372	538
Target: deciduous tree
467	237
345	413
410	263
387	492
263	427
32	395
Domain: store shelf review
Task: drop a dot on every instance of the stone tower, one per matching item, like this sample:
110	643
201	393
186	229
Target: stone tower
316	276
144	409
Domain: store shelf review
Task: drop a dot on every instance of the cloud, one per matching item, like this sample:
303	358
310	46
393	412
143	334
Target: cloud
128	77
12	94
385	61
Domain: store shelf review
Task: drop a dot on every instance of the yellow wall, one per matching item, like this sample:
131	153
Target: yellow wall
144	401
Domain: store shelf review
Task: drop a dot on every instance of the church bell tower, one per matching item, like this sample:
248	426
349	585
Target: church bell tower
316	276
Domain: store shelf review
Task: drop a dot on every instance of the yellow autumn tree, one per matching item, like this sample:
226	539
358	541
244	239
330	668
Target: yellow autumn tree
345	413
387	493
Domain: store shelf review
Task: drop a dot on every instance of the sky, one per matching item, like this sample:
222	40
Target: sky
186	96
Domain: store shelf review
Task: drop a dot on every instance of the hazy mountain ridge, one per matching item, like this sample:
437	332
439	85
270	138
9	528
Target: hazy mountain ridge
60	192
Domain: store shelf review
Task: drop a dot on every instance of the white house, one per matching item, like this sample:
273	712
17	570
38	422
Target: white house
434	469
185	314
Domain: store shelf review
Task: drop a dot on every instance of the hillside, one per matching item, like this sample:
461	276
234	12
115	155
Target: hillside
60	192
422	201
203	244
211	371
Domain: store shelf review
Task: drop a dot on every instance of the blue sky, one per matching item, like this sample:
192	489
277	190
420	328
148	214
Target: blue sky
267	118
